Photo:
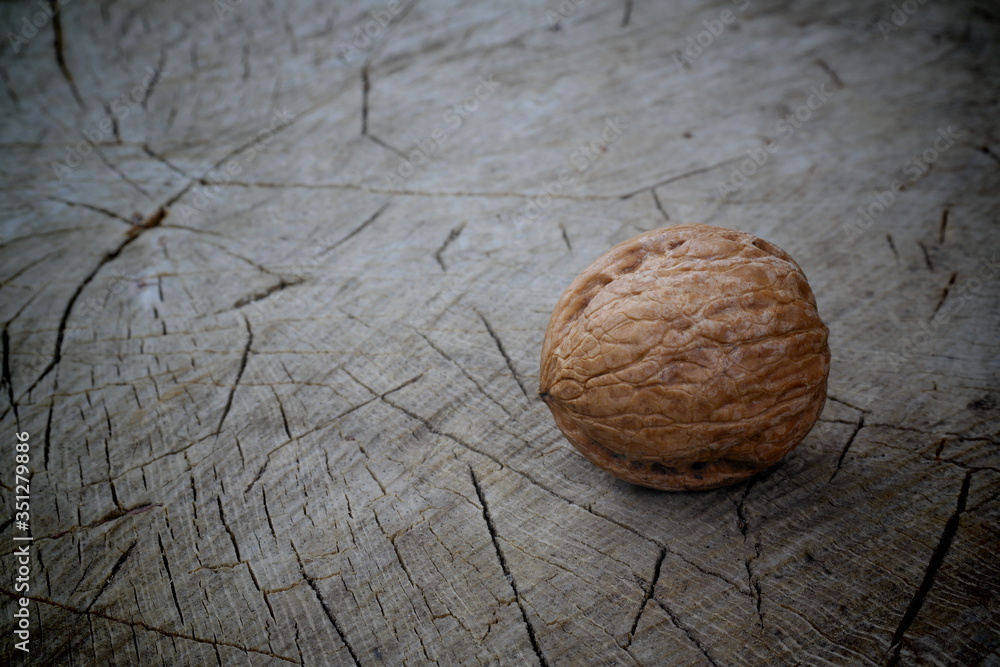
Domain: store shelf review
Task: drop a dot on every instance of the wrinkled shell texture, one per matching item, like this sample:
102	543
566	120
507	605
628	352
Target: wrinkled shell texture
689	357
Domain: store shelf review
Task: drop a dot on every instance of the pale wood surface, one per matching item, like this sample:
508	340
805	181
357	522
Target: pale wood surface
288	415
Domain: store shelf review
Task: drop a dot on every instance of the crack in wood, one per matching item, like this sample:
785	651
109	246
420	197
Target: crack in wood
927	256
170	578
452	235
365	87
326	607
114	515
357	230
144	626
464	372
843	453
944	294
684	175
386	145
150	222
892	246
494	538
743	524
659	205
462	193
151	86
229	531
531	480
503	353
281	410
7	380
565	236
376	397
111	575
990	154
125	178
282	284
937	558
148	150
834	77
650	590
850	405
92	207
267	513
683	627
239	375
59	46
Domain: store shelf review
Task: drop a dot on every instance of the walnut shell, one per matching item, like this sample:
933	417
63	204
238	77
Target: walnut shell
689	357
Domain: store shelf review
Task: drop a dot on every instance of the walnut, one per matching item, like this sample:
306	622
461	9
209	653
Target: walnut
689	357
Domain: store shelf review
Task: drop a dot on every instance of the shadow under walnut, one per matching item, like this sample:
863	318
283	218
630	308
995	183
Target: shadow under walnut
688	357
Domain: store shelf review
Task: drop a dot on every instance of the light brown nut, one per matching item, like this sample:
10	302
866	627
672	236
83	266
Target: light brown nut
689	357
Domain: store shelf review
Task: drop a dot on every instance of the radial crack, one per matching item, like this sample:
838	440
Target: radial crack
850	441
357	230
452	235
687	631
892	246
464	372
145	626
259	296
937	558
239	374
152	221
944	294
565	236
682	176
229	531
114	570
506	570
170	578
326	608
649	595
927	257
7	377
96	209
659	204
365	87
834	77
148	92
59	48
743	523
503	353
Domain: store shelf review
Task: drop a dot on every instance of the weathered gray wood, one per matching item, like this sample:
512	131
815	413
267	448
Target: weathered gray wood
286	412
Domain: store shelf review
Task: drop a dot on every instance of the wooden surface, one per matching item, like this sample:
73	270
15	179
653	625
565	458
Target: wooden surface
280	384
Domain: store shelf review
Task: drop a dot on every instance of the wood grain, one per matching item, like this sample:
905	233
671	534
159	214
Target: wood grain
273	295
